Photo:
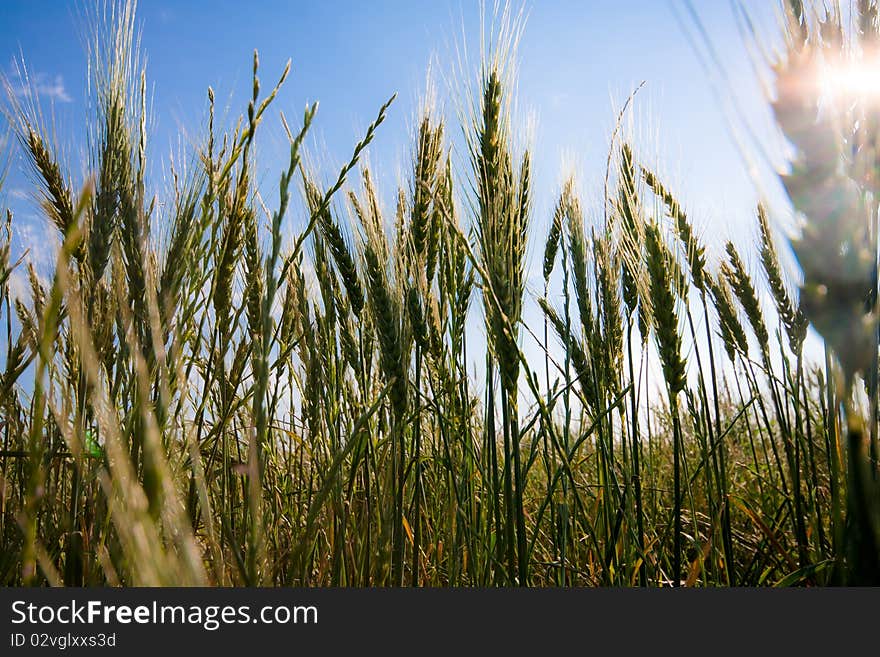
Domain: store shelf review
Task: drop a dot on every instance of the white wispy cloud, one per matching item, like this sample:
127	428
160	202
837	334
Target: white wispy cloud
39	239
40	84
19	288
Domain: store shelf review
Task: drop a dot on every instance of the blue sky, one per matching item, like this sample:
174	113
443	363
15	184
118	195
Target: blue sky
577	63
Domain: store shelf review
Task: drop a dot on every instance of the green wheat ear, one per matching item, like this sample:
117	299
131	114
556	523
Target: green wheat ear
663	306
551	246
694	251
792	317
744	289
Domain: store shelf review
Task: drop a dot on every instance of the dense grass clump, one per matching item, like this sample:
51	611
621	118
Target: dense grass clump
203	405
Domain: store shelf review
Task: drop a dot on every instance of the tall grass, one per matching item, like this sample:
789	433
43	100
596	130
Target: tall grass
203	405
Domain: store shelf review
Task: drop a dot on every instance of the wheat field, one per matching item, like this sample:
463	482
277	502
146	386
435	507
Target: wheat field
214	402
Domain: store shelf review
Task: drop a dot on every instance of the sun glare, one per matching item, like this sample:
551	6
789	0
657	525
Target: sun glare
853	80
